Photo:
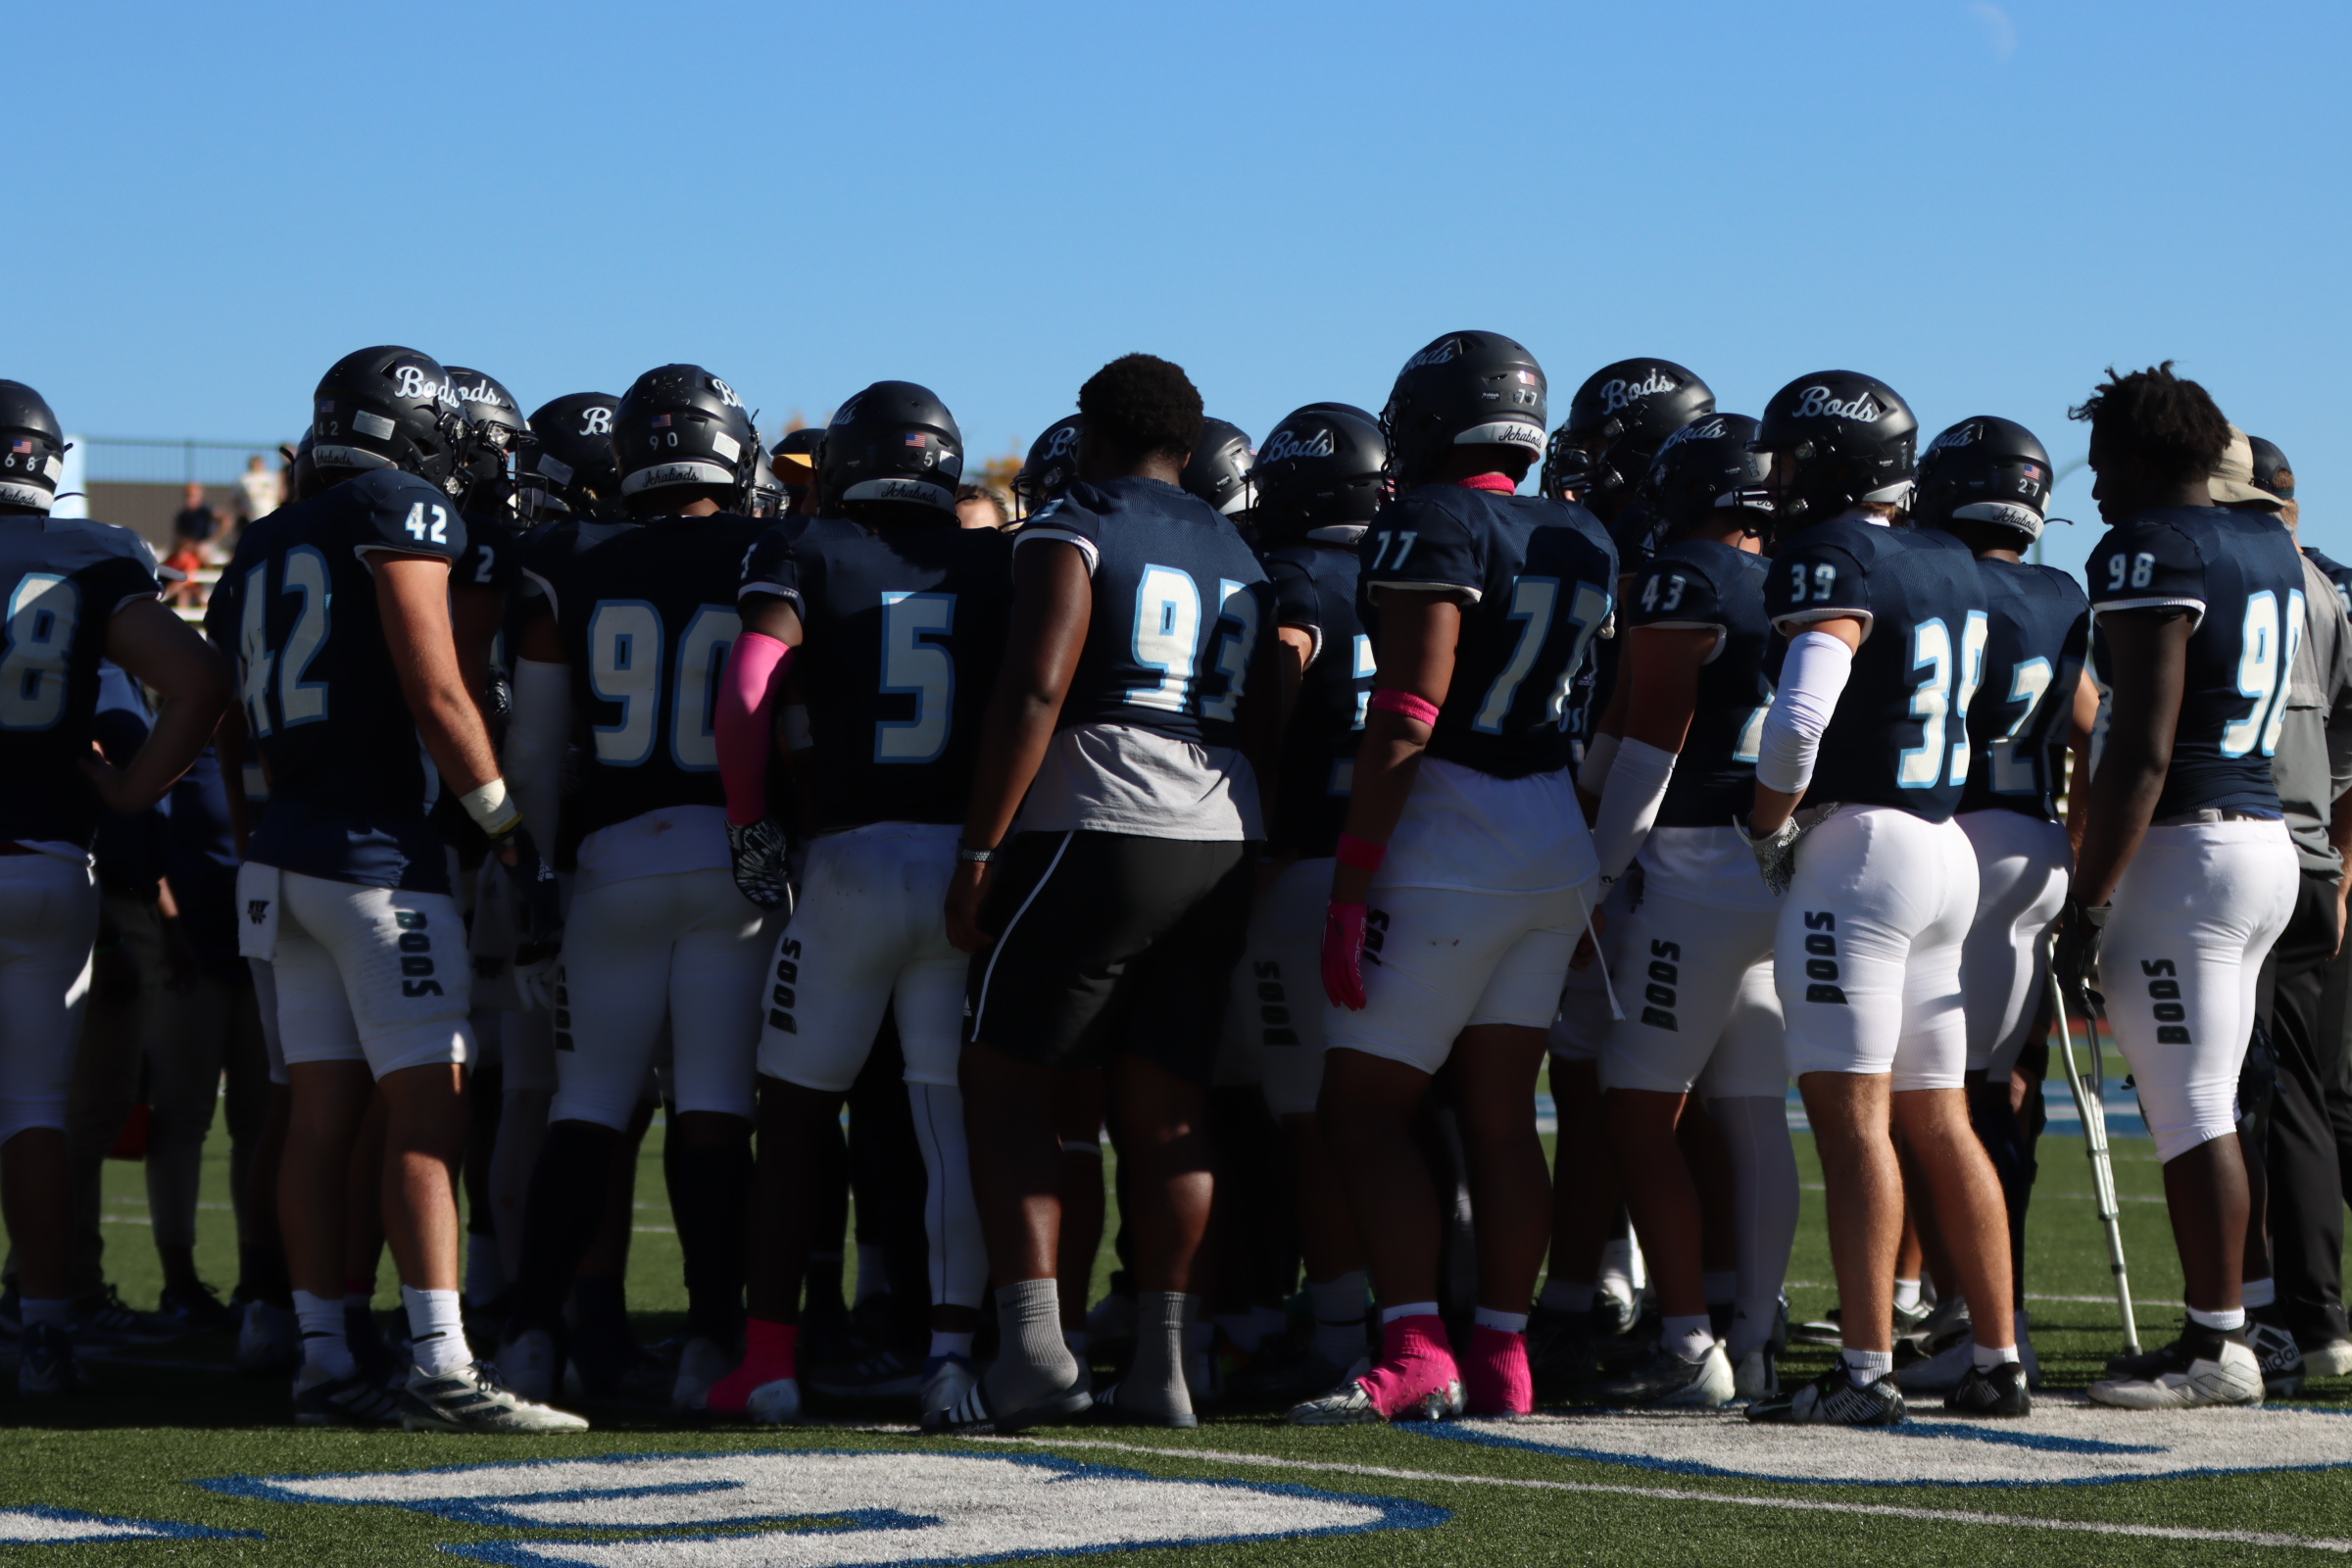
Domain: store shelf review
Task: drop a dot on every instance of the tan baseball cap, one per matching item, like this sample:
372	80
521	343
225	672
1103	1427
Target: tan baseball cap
2231	478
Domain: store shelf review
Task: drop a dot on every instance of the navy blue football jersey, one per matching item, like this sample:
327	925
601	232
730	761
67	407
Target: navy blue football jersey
1314	589
65	578
2336	572
1538	577
646	610
350	783
2037	634
2237	571
1180	603
1900	734
1701	584
904	631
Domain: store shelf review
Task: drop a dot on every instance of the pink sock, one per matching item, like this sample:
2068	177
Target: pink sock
767	1357
1496	1379
1416	1361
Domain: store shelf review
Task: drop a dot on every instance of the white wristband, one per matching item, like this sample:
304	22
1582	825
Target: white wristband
491	811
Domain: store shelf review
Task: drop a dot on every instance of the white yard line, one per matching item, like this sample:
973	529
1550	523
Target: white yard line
1964	1516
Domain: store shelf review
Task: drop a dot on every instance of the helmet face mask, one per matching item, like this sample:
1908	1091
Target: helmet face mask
1220	467
496	436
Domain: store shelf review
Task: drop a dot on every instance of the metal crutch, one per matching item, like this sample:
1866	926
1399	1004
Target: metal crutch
2085	1088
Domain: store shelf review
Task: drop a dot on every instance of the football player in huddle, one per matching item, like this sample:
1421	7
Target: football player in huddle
1868	734
1465	874
1696	938
1130	730
1050	468
77	592
890	622
1986	482
2187	874
1617	422
1320	478
626	646
363	716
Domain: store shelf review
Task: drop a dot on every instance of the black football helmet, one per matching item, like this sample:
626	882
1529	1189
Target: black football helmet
567	468
1704	470
2271	470
1052	466
388	408
1847	438
33	448
1324	465
796	455
893	441
768	499
499	434
1616	425
1218	472
1466	389
680	428
1984	469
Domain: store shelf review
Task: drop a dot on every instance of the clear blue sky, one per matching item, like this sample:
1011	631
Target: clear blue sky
1982	204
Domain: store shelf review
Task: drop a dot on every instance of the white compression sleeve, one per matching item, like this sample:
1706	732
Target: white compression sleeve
1629	804
535	735
1811	678
1599	756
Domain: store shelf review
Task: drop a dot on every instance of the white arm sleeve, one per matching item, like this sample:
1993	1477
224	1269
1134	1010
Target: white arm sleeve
1811	678
1630	804
536	733
1599	756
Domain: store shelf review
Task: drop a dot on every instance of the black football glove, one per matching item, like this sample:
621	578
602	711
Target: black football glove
2079	932
761	874
536	898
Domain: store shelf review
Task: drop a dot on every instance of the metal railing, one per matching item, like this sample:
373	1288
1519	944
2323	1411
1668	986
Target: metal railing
136	460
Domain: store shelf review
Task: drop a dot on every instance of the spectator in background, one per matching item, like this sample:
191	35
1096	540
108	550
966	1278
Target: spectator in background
195	522
977	505
265	491
191	527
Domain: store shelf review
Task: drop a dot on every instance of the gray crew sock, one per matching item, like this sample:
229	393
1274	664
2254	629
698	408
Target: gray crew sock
1032	1364
1155	1385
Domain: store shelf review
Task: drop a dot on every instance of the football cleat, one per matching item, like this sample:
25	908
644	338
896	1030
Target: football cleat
528	1364
45	1364
884	1375
470	1399
1106	1407
946	1380
193	1309
701	1363
1663	1380
1285	1380
2207	1369
1757	1376
775	1403
1942	1372
352	1401
1935	1325
1353	1405
2332	1360
970	1416
2000	1392
2281	1357
1834	1399
269	1340
105	1320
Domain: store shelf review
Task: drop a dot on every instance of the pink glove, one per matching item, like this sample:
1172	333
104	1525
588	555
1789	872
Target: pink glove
1344	953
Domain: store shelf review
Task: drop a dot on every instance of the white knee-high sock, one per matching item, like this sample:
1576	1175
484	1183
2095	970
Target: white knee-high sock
951	1216
1755	1131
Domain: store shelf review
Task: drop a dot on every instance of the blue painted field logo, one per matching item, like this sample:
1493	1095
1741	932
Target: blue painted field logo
65	1527
2068	1441
843	1509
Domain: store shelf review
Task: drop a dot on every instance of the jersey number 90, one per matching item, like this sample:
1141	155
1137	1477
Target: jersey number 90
626	648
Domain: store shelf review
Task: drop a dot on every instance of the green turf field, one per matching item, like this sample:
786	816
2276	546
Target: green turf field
169	1440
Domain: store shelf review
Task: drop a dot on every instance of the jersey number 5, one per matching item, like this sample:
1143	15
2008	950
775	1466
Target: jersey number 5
924	670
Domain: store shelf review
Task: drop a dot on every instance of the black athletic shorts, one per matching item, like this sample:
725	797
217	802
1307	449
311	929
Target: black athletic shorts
1110	943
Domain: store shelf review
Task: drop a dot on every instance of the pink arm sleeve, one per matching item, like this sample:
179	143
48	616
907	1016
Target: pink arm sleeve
747	708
